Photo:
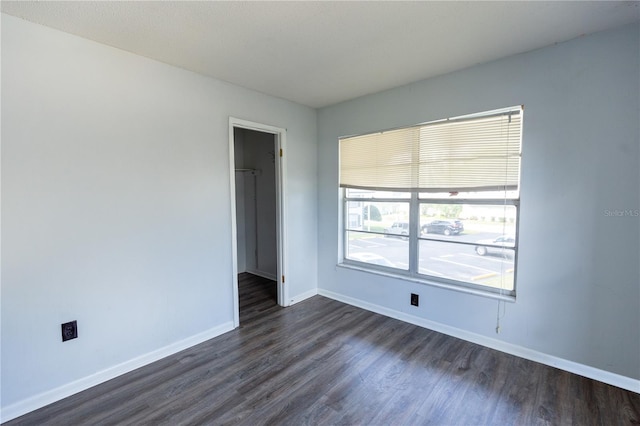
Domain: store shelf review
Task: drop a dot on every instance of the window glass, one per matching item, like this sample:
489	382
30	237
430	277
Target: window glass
380	250
378	216
485	265
466	222
384	231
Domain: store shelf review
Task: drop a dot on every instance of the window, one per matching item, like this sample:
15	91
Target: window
436	202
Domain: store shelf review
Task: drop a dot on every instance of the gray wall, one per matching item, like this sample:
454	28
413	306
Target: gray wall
578	275
116	207
256	203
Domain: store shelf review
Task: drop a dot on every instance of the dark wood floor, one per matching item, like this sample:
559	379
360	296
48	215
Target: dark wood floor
321	362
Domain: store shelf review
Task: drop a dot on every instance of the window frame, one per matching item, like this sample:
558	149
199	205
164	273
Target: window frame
415	201
413	271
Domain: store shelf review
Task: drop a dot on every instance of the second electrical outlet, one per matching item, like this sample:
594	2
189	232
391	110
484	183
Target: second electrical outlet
415	299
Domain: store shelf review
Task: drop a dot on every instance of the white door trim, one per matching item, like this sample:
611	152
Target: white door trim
281	235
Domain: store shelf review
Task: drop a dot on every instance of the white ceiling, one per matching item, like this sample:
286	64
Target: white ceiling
322	53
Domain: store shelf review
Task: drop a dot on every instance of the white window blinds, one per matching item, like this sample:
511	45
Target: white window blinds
478	153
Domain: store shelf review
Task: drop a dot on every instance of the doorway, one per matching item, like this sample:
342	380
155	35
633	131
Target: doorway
256	154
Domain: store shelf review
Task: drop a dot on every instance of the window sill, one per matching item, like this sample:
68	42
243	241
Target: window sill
433	283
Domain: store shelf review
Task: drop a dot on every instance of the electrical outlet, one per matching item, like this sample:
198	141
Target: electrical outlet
69	330
415	299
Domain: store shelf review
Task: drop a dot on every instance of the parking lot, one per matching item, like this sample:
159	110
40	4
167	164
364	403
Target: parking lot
446	258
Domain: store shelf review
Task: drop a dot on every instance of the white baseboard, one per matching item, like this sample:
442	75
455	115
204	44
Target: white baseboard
293	300
613	379
38	401
303	296
262	274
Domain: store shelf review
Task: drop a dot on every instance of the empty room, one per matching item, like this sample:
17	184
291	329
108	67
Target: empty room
288	213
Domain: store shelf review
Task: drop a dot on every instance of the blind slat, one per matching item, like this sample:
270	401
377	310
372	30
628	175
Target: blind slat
475	154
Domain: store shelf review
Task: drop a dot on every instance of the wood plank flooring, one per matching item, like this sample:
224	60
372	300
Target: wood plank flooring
321	362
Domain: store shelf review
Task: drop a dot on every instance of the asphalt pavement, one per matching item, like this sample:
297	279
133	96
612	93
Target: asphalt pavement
443	258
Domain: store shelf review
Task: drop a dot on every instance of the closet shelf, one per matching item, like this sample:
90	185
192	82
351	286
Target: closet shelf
253	171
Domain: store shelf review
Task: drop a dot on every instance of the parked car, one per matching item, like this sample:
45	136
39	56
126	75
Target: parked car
400	229
495	246
445	227
373	258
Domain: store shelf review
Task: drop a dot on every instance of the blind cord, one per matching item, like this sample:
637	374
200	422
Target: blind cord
504	230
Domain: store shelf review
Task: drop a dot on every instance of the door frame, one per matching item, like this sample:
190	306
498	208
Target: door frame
280	137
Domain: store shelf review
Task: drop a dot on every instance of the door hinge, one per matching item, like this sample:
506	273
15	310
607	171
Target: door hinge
283	279
280	152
